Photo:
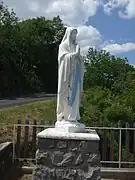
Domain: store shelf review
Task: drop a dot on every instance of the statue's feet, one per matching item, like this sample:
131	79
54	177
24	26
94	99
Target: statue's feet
70	126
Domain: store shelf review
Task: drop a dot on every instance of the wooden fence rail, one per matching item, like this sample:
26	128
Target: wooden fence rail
117	144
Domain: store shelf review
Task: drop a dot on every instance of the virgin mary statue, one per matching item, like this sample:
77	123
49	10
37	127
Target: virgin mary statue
70	82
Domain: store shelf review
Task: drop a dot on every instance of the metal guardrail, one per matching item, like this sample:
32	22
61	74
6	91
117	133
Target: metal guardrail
22	134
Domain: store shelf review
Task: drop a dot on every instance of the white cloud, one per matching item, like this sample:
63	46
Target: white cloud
72	12
88	36
76	13
126	8
34	6
119	48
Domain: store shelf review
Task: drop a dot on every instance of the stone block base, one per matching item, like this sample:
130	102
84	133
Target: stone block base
68	158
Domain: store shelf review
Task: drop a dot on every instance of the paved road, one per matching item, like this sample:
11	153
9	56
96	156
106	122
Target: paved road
19	101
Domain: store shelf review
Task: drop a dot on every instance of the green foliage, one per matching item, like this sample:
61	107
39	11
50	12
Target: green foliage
94	103
28	53
109	89
106	71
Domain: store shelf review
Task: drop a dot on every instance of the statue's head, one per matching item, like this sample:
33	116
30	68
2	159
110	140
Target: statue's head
70	35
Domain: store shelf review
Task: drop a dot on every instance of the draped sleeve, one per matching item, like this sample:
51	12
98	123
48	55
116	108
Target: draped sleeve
66	62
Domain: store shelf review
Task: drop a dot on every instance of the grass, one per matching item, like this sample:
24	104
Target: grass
44	112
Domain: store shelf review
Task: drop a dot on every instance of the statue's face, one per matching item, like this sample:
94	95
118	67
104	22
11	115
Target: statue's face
73	35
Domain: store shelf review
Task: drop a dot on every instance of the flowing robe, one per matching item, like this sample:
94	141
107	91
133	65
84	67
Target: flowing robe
70	83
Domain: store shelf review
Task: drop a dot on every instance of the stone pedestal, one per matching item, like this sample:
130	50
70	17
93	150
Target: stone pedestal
67	156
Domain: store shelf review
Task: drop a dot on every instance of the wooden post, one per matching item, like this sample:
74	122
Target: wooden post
26	136
42	123
18	143
127	142
34	134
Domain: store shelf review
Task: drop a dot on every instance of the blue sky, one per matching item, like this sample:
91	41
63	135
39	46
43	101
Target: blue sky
117	29
103	24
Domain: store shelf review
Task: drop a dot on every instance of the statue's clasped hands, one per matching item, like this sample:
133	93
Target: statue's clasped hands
77	53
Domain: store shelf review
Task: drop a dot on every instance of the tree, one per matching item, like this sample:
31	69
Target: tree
106	71
28	53
41	38
109	89
8	47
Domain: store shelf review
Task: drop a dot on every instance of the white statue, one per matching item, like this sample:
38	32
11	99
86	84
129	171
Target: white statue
70	83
